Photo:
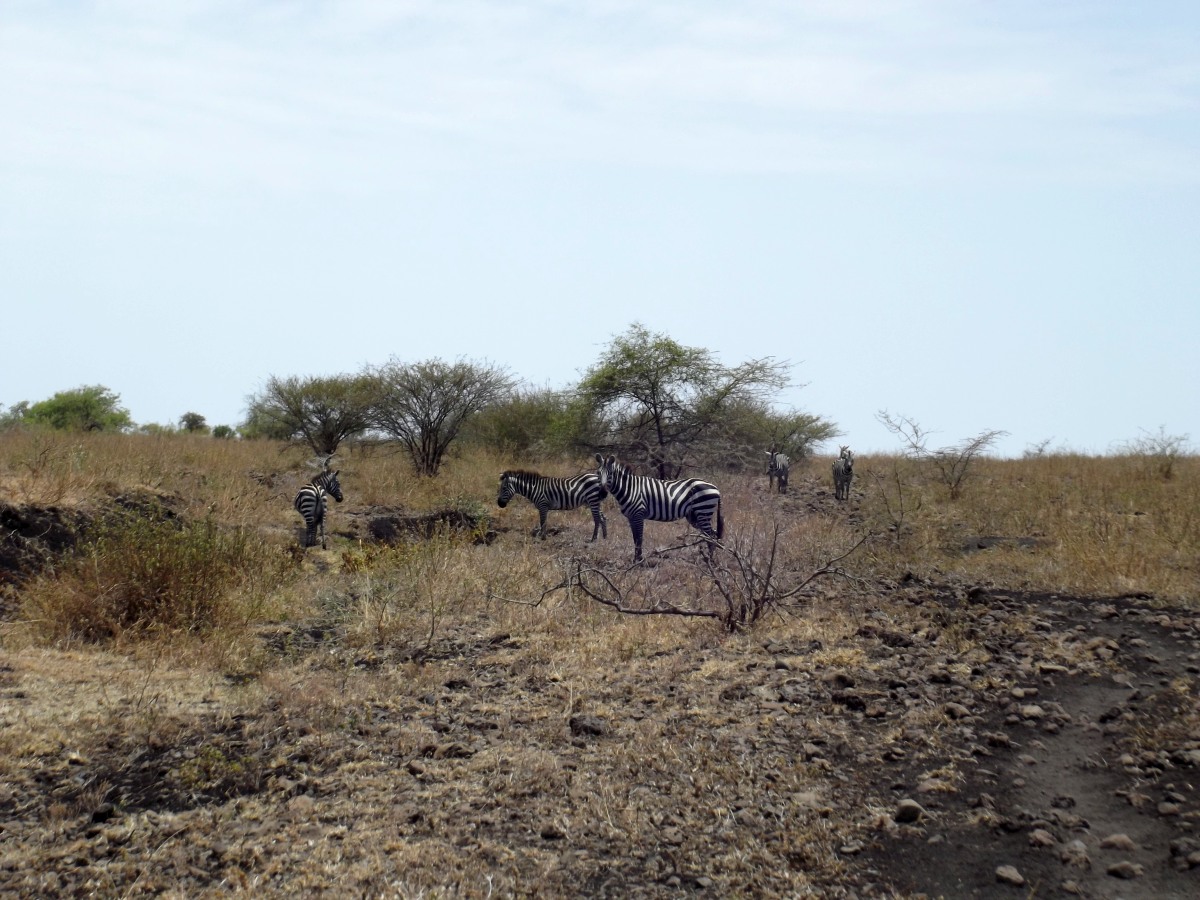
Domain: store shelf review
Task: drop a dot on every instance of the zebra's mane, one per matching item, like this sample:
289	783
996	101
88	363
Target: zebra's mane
522	473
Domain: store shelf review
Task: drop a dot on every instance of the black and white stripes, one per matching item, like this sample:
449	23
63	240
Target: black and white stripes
310	503
843	474
778	468
642	498
548	493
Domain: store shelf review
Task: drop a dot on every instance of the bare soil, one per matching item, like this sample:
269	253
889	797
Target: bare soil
938	740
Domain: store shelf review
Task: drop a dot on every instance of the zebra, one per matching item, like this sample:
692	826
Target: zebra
778	467
310	503
843	473
555	493
641	497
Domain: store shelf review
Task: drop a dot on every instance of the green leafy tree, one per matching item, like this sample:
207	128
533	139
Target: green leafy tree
750	428
193	423
320	412
424	405
88	408
224	432
15	416
526	422
664	405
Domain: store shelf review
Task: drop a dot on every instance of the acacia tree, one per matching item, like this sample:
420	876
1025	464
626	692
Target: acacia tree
660	401
749	428
193	423
527	421
423	405
321	412
88	408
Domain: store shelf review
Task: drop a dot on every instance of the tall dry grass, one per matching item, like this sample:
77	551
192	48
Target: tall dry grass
1089	525
1083	524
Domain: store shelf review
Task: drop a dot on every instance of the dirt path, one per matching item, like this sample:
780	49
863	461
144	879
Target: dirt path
1086	780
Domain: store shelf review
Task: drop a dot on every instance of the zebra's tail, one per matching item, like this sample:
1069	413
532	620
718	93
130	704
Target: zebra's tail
720	521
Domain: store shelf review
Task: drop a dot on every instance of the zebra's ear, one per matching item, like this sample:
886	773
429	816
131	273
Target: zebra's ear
599	459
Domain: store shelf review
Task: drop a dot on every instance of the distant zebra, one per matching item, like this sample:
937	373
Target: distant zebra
843	473
310	503
778	467
555	493
641	498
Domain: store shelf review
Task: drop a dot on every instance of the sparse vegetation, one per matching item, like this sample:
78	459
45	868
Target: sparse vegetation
460	709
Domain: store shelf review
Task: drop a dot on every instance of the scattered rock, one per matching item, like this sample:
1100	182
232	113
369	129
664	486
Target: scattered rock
1009	875
588	726
1040	837
908	811
957	711
1075	855
1126	869
1118	842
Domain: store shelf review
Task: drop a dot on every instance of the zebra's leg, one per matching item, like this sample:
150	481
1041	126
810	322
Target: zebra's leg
636	526
703	522
540	531
596	517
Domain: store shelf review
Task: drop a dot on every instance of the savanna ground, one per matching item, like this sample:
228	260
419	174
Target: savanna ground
994	695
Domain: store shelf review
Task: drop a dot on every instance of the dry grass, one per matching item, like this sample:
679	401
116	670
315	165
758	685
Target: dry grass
1088	525
398	720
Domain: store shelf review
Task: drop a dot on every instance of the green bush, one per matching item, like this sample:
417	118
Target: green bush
89	408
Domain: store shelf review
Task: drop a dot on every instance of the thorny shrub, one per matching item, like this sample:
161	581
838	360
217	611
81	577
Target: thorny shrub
137	574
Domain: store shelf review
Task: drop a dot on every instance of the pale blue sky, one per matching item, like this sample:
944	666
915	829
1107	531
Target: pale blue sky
977	214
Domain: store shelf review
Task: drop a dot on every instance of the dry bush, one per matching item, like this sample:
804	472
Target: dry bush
136	575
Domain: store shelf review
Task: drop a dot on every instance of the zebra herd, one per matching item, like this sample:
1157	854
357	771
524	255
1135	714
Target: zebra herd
639	497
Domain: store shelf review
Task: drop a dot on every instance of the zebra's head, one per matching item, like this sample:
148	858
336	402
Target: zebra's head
609	471
329	481
848	456
506	490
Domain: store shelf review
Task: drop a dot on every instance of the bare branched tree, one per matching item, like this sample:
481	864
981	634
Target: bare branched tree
423	405
951	463
743	577
1162	450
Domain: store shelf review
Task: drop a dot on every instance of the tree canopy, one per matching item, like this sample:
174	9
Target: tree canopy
321	412
424	405
88	408
668	406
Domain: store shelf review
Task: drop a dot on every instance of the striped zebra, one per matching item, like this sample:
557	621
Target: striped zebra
843	473
310	503
548	493
641	498
778	468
